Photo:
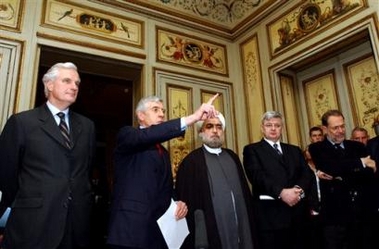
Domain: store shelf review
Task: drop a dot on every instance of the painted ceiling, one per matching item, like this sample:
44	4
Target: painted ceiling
222	17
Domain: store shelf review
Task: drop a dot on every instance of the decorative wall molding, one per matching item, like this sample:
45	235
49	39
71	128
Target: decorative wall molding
92	23
362	77
11	14
90	45
287	84
253	86
177	48
320	96
11	54
308	18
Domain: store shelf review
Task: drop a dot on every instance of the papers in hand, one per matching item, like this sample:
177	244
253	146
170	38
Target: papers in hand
174	231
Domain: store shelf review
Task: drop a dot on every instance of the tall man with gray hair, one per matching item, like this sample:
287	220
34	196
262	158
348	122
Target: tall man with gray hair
143	185
211	179
45	163
280	179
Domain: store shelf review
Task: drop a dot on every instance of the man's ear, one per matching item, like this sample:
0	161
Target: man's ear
140	116
50	86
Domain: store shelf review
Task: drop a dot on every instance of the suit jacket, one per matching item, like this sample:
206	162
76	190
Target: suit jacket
42	180
192	187
143	185
269	173
344	198
373	150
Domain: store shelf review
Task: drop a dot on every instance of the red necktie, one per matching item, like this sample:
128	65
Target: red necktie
160	149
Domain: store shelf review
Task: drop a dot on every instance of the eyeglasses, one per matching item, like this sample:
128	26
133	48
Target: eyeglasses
269	125
335	128
157	109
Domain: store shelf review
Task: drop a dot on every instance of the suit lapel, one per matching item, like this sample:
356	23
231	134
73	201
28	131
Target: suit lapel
49	125
272	151
75	128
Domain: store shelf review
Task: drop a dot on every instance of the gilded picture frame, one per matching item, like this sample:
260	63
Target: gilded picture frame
179	105
91	23
305	19
253	86
363	84
320	96
290	109
11	14
189	51
11	59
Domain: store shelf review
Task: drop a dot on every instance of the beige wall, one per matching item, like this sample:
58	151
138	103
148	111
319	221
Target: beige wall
21	50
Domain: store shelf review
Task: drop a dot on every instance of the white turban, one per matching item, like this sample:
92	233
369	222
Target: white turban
200	123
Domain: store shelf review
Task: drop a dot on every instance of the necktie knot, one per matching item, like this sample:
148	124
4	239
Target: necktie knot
338	146
277	149
61	115
340	150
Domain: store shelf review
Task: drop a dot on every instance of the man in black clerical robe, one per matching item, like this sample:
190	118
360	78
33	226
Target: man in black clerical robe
212	179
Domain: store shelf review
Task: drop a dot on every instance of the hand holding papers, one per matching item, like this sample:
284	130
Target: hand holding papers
174	231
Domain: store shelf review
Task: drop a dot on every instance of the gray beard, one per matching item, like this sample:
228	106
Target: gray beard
213	142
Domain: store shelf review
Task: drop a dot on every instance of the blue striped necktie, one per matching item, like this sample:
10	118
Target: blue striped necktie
277	149
64	130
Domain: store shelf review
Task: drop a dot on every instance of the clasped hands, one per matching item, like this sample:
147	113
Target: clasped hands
292	196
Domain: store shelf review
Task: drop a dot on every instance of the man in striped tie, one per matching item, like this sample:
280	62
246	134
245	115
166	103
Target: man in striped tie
45	158
280	180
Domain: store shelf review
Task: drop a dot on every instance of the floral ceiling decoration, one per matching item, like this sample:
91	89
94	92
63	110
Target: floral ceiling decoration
226	18
225	11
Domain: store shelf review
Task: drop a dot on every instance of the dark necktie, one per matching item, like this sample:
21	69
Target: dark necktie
64	130
160	149
339	149
277	150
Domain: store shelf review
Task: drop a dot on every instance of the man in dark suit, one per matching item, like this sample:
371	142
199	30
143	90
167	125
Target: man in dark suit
345	197
373	150
143	184
44	176
280	179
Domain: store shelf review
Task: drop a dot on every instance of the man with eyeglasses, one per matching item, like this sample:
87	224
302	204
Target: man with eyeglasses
280	179
345	198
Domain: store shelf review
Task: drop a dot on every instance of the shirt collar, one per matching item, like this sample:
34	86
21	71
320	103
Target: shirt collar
54	110
333	143
271	142
216	151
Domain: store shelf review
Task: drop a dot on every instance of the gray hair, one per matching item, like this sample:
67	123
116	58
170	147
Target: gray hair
271	114
53	72
142	104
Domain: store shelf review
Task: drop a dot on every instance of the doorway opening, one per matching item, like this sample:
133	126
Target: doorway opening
106	95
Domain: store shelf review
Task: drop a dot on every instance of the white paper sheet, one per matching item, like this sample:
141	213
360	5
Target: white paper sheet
174	231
